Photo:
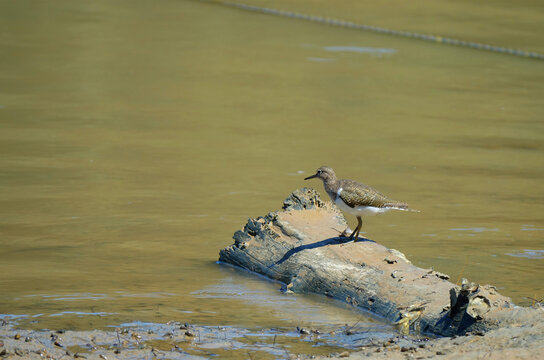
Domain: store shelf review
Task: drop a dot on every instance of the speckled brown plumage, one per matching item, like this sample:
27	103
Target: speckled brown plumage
356	194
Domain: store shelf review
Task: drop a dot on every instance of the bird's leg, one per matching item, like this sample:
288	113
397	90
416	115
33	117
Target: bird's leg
355	232
359	227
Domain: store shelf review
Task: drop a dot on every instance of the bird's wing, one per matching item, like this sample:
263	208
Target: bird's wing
362	195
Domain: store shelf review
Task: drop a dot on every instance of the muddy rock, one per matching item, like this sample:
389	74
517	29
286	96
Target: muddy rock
300	245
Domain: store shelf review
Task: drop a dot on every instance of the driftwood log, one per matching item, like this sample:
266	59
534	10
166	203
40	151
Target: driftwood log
300	247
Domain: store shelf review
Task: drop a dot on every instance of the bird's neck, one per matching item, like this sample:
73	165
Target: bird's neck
331	186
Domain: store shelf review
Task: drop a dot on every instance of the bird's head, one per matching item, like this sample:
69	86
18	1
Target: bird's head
324	173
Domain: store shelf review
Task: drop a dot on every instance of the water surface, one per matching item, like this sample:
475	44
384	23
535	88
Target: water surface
136	138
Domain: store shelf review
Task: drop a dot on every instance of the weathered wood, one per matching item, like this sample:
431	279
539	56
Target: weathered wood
300	246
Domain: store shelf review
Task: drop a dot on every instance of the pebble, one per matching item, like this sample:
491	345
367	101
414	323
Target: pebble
344	354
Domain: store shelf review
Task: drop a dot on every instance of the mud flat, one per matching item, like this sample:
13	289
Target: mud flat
300	246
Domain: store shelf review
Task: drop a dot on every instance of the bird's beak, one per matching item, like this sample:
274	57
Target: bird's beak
311	177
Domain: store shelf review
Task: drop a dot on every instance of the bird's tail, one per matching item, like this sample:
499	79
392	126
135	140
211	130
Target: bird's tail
402	207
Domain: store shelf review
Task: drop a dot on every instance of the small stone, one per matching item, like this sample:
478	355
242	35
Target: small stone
303	331
17	336
28	339
189	333
344	354
41	352
79	356
57	343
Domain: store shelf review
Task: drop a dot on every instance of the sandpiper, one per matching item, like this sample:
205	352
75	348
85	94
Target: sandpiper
355	198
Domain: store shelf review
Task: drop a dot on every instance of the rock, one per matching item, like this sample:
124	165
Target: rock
300	247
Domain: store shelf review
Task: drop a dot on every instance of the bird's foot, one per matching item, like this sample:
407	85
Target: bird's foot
347	233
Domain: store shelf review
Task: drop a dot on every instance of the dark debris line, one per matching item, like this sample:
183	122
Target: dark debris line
347	24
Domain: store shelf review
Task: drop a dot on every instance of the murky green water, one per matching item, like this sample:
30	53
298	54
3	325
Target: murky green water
135	138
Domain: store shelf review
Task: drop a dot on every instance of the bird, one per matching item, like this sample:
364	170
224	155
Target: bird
356	198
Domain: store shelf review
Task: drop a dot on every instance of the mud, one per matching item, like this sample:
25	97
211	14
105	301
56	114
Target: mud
175	340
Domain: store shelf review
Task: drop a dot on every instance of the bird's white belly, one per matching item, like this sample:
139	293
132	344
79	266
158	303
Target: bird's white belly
360	210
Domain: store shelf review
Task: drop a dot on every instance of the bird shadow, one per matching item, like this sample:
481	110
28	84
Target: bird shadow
338	240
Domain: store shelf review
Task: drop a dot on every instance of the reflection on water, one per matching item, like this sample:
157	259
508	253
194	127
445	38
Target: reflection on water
133	149
360	49
474	229
529	254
